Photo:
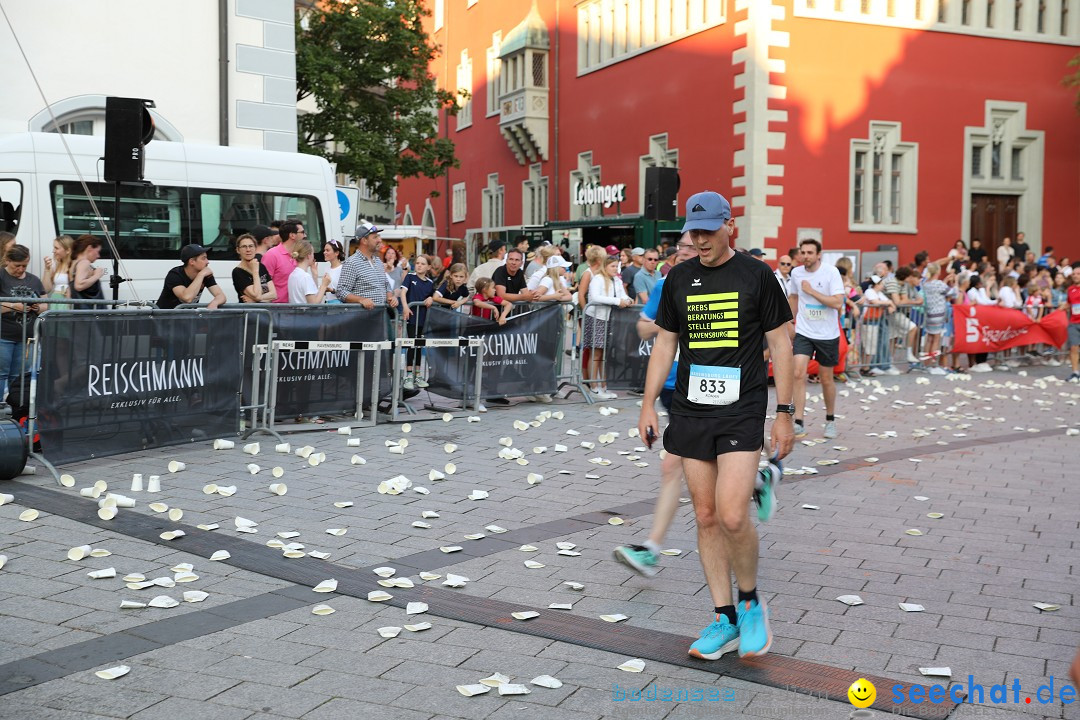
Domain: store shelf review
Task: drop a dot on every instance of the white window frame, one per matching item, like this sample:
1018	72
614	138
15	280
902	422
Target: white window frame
534	197
1006	122
997	20
494	202
884	141
660	155
610	31
464	91
459	203
494	72
439	13
407	217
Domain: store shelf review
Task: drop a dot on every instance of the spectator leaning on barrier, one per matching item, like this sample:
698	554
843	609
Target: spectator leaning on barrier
646	278
454	292
184	284
876	303
496	259
17	319
937	294
279	261
1072	292
265	239
302	287
510	282
633	262
363	278
905	297
251	279
486	304
605	290
416	287
551	284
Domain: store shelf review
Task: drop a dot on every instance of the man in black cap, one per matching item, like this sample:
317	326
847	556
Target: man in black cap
184	283
265	238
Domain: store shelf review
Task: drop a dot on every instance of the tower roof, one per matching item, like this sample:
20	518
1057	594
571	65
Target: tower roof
530	33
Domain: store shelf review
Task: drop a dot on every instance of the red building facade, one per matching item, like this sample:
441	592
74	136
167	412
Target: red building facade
865	123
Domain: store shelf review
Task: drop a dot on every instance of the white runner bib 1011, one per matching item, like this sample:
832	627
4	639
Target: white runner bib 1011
712	385
815	312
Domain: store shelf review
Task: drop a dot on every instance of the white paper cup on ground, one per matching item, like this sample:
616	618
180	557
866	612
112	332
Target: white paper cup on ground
278	471
253	468
101	574
78	553
136	482
6	498
344	430
123	501
353	442
176	466
175	514
153	484
285	448
85	492
224	444
278	488
67	480
252	448
107	513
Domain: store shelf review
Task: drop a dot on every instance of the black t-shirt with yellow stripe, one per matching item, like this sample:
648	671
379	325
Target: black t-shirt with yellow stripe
721	315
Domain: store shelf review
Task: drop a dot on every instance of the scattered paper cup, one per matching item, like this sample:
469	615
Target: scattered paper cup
305	451
6	498
153	483
67	480
175	514
353	442
224	444
322	610
107	513
176	466
131	605
209	489
113	672
344	430
278	471
136	482
357	460
253	468
278	488
28	515
283	448
220	555
252	448
101	574
78	553
122	501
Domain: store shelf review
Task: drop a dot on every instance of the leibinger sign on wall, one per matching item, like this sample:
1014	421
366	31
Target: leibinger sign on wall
593	194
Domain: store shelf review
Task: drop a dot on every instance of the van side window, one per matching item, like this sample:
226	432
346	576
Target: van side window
157	220
10	205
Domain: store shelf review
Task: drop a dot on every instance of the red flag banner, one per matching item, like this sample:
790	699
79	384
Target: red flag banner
988	328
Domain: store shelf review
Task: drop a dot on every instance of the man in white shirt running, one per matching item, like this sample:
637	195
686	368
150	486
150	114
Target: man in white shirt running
816	297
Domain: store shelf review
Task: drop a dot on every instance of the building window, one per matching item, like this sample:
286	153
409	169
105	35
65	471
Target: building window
995	160
539	70
1017	164
465	86
989	13
965	12
660	155
407	218
1018	12
494	202
471	3
458	208
613	30
1040	22
494	72
883	181
1065	17
439	13
942	10
76	127
534	198
977	161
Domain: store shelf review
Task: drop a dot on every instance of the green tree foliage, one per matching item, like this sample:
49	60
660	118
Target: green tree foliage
1072	80
365	64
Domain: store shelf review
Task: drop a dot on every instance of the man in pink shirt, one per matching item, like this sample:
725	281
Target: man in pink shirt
279	261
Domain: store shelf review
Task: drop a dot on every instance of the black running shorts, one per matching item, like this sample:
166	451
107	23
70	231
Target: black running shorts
703	438
827	352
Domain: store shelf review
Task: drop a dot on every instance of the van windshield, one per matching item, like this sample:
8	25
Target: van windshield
156	220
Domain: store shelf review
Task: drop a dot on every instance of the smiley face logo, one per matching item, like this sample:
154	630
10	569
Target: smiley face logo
862	693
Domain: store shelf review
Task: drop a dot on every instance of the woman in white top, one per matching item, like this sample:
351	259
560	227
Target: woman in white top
57	275
334	255
1008	297
552	281
538	267
977	295
1005	252
302	289
605	290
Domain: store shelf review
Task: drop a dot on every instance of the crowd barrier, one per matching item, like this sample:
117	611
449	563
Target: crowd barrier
108	381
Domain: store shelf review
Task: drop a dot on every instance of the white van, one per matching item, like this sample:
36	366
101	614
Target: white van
201	194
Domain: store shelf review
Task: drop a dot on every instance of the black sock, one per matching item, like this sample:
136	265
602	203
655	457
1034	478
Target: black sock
728	611
830	418
798	420
749	595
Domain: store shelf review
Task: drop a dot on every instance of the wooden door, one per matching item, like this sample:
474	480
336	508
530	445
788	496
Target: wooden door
993	217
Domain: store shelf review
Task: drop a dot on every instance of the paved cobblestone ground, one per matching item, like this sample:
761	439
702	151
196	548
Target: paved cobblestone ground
1008	538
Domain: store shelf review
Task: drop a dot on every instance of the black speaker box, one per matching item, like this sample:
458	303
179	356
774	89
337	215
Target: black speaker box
128	127
661	193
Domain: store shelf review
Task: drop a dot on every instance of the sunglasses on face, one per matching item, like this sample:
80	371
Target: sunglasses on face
786	264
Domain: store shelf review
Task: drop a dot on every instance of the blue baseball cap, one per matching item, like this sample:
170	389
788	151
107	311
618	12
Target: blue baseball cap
706	211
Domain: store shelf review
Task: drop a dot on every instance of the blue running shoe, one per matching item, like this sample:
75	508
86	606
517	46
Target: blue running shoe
639	558
765	495
755	637
719	638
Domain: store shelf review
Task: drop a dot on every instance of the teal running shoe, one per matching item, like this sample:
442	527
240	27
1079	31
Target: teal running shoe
719	638
765	495
755	637
640	559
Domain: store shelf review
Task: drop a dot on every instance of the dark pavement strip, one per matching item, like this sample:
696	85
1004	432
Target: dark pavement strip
771	670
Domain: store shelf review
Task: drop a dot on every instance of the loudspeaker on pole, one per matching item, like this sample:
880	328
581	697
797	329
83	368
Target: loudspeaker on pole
661	193
128	127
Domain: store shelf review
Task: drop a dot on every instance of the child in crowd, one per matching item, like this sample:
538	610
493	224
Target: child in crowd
552	281
606	289
937	293
302	288
876	302
454	292
487	304
416	287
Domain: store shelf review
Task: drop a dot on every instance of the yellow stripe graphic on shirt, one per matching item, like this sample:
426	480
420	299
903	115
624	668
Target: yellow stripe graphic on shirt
712	297
724	306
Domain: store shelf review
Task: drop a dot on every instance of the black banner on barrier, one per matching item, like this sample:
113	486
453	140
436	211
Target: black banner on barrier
324	381
519	357
626	356
114	383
